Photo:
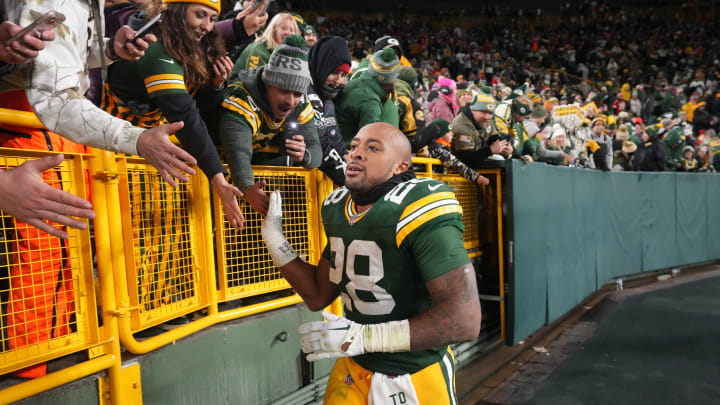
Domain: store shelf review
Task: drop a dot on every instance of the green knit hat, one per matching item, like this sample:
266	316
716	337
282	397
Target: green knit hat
300	21
483	102
309	29
538	112
409	75
520	108
486	90
654	131
442	126
288	66
384	66
519	92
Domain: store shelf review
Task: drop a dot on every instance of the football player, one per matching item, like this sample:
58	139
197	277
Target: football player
395	255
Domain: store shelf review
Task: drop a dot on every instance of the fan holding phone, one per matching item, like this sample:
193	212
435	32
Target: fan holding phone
20	45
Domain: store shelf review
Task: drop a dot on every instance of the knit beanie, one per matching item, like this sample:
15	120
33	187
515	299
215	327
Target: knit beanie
596	121
519	107
538	112
654	131
384	66
213	4
409	75
483	102
288	66
439	127
300	21
309	29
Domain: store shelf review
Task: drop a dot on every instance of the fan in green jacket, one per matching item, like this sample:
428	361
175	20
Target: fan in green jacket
674	142
368	98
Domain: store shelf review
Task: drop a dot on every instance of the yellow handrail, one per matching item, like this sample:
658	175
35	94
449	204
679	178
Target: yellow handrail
20	118
57	378
428	162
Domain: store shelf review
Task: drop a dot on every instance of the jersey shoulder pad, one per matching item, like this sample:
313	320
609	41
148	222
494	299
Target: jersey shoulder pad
337	197
422	202
239	101
304	112
333	207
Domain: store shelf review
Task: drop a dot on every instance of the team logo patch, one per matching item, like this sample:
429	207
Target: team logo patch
349	380
490	107
419	115
465	138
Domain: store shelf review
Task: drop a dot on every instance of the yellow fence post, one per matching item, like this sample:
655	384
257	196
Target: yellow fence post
104	175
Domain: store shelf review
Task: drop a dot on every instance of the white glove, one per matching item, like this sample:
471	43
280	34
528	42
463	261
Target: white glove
280	249
338	337
341	337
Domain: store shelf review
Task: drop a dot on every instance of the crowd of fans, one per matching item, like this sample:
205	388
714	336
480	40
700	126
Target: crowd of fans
626	66
591	86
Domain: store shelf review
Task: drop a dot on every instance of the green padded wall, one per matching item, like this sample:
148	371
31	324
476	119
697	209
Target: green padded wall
573	230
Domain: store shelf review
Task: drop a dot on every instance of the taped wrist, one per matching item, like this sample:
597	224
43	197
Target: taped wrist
387	337
280	249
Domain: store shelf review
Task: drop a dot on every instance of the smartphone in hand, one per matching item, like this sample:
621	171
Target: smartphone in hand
145	29
257	3
45	22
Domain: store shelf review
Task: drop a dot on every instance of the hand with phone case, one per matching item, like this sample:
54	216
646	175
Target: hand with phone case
254	17
131	45
17	47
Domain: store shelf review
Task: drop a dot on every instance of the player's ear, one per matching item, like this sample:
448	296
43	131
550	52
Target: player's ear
401	167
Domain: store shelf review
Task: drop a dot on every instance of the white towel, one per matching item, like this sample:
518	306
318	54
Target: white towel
386	390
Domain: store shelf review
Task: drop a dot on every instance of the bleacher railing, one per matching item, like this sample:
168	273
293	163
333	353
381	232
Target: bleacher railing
160	253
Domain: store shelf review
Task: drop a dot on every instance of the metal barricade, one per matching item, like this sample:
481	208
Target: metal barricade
47	286
244	265
161	236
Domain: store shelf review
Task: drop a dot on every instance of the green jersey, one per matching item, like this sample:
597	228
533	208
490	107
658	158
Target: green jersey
381	259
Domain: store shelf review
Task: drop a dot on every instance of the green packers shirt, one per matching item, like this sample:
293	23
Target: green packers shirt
381	259
152	91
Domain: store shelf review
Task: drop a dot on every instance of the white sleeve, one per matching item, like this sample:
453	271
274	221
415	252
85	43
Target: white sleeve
55	83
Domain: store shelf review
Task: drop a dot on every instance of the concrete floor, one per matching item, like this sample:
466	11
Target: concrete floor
654	342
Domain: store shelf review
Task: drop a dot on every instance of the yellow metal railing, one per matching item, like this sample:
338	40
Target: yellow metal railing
244	265
47	291
46	283
161	253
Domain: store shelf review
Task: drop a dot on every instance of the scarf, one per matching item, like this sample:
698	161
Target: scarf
381	189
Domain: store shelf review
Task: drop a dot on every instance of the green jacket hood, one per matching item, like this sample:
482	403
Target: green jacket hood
402	88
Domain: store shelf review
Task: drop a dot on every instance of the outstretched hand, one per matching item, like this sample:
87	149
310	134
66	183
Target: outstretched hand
256	197
169	159
25	196
228	196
